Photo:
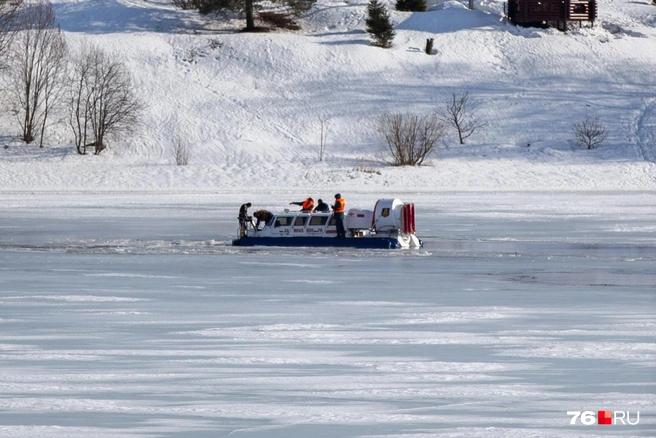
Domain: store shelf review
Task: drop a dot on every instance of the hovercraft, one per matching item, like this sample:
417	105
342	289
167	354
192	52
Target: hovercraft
390	225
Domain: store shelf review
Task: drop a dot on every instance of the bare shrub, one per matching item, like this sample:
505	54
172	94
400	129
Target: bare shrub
460	113
409	138
38	63
589	132
181	151
102	100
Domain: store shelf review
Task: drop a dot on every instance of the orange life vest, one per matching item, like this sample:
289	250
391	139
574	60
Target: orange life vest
340	204
308	204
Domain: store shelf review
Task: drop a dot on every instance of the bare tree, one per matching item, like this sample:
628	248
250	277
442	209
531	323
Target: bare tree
589	132
102	100
80	101
323	123
38	62
409	138
460	113
8	10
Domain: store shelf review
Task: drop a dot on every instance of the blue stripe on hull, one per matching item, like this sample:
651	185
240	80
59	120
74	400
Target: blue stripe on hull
348	242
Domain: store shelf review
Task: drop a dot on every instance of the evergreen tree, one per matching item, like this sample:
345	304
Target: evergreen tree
411	5
379	24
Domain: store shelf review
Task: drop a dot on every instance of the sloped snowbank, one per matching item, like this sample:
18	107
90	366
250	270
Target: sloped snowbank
250	105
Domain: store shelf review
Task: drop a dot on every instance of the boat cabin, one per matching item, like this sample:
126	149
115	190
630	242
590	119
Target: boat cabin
292	224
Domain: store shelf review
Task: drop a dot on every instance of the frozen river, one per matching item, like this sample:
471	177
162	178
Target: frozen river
132	317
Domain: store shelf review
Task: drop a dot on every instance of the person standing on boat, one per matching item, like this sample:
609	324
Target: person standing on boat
306	206
262	216
322	207
243	215
338	211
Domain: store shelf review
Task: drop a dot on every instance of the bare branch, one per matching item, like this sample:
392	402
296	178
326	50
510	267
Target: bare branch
460	113
589	132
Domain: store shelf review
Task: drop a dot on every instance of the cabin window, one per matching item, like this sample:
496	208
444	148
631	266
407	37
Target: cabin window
300	221
332	222
283	221
580	9
318	220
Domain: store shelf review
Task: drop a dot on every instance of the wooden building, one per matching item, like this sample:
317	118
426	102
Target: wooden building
540	13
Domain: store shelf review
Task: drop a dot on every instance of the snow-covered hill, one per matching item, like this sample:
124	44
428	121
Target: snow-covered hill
250	104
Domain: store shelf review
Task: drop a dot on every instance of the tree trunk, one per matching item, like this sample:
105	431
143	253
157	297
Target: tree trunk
250	22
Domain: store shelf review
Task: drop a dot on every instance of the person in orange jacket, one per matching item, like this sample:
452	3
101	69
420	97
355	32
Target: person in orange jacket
306	206
338	211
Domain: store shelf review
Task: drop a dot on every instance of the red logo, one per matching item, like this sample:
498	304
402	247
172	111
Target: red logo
604	417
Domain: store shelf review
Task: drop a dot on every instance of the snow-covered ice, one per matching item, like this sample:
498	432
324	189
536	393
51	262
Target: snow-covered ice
498	328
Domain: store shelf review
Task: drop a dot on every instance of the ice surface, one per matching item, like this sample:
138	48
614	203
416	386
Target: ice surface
498	327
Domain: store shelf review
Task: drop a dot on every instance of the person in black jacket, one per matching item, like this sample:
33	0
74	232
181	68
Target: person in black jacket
322	207
243	215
